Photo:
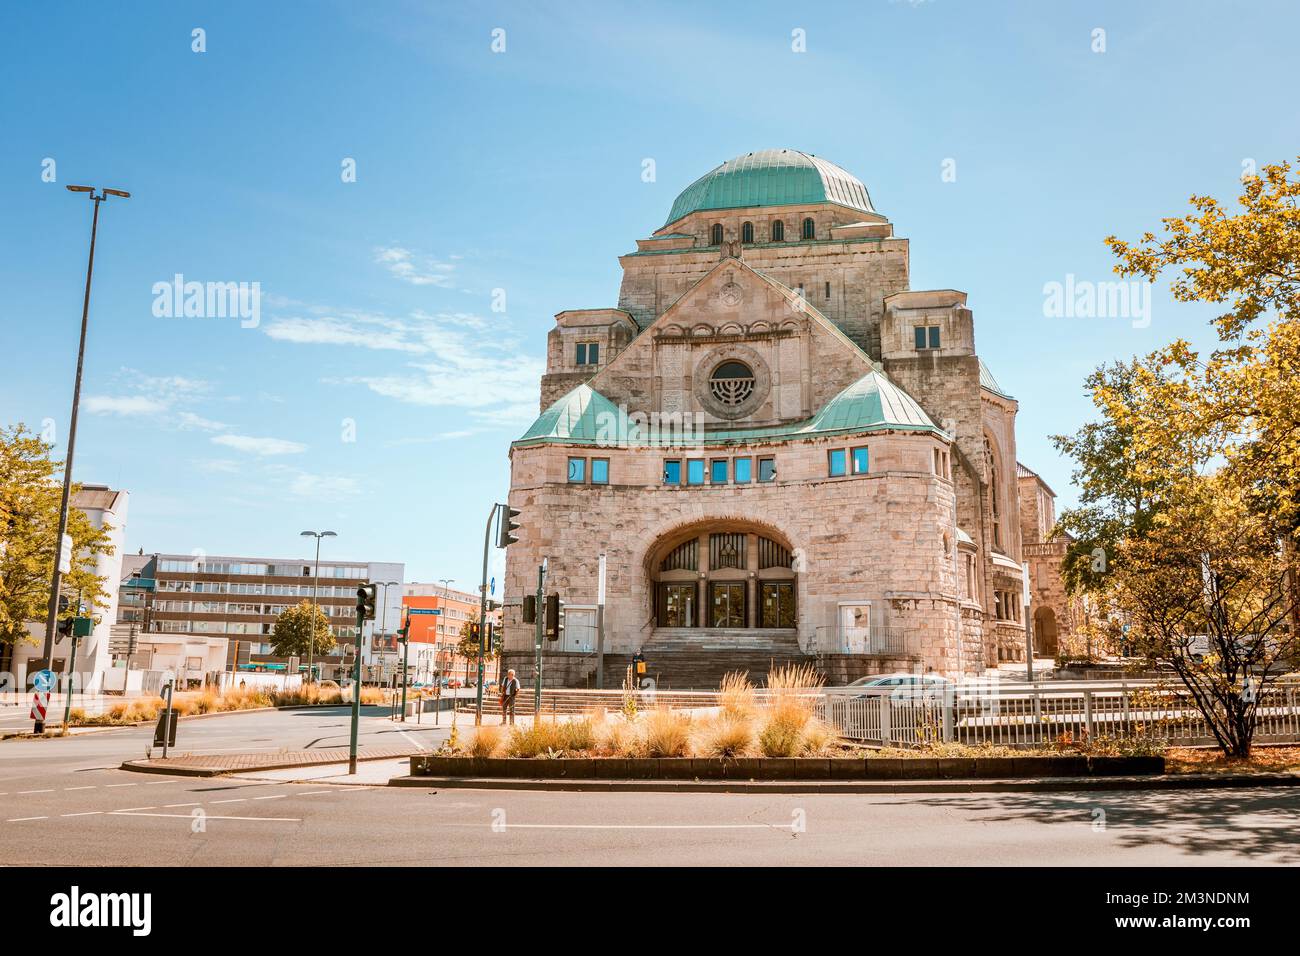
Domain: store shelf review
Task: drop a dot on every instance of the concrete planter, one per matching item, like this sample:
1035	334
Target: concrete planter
783	768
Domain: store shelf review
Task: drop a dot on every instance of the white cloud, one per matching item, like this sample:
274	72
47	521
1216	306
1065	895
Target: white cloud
260	446
323	487
124	405
417	270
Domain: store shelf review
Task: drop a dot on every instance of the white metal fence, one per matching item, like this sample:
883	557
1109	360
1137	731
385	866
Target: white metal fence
1033	715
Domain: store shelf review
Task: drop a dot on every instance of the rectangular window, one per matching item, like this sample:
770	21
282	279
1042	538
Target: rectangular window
927	337
577	469
744	470
934	337
588	353
920	336
860	461
838	464
672	473
600	471
767	469
828	290
718	471
695	471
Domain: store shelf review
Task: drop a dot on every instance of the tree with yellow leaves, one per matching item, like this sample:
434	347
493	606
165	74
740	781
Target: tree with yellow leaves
1191	480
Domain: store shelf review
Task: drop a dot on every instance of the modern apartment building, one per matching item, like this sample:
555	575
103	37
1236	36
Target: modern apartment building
239	597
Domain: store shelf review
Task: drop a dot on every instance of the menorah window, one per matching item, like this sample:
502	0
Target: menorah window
732	383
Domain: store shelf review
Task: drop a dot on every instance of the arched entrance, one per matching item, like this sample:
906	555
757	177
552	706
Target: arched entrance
723	576
1045	634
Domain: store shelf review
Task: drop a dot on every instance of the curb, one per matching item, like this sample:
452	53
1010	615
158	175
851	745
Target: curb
147	766
1032	785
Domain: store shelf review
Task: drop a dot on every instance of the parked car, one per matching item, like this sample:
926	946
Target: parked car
908	688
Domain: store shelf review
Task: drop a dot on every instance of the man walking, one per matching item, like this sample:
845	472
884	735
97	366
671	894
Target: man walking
509	691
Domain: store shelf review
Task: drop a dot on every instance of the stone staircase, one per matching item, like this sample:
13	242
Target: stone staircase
689	658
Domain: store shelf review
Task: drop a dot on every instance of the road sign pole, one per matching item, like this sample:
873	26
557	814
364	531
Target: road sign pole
167	716
482	614
356	693
69	683
406	665
541	617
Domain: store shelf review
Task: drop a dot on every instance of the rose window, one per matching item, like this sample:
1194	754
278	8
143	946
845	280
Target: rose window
732	383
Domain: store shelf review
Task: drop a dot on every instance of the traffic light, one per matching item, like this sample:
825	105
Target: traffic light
530	609
473	629
65	626
554	625
366	596
507	525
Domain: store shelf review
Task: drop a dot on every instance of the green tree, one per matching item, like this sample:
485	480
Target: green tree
292	635
30	494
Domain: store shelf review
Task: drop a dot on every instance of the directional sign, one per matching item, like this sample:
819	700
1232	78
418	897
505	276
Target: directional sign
43	681
424	610
492	586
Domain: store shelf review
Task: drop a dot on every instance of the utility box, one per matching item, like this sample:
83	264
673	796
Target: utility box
162	728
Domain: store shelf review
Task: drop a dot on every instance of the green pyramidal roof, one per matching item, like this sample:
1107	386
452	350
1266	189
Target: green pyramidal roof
872	403
772	177
988	381
583	415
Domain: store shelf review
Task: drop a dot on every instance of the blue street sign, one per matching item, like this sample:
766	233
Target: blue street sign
492	586
43	681
424	610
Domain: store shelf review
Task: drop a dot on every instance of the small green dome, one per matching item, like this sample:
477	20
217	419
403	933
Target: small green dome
582	415
772	177
873	401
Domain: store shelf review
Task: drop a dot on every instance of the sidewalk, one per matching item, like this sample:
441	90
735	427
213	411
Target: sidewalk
213	765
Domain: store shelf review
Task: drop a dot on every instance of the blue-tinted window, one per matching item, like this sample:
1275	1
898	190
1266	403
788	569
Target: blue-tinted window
767	469
718	471
588	353
808	228
934	336
838	464
920	336
577	469
860	461
744	469
695	471
672	473
600	471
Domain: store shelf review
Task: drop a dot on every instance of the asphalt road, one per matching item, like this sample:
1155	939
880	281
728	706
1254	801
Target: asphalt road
63	801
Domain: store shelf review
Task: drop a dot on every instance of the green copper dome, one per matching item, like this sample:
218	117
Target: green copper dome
772	177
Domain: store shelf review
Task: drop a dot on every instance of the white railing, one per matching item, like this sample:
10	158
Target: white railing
872	639
1034	715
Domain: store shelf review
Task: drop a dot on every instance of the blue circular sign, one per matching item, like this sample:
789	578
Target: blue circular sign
43	680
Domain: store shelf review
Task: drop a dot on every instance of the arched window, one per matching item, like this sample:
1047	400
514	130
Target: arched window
778	231
747	232
717	234
732	383
809	229
993	489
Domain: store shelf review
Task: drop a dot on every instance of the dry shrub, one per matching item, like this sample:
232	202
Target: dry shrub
145	709
782	733
618	738
488	739
579	736
726	736
666	733
818	736
373	695
736	695
542	738
207	702
118	712
77	715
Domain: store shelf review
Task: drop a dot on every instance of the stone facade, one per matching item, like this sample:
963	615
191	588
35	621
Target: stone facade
803	450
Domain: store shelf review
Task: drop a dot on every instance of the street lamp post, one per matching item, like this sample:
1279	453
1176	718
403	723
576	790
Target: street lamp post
315	593
56	577
383	613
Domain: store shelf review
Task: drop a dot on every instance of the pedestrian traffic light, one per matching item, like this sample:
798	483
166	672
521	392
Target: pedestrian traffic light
65	626
507	525
554	626
530	609
366	595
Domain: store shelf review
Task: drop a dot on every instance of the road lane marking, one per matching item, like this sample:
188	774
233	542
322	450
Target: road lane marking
133	809
159	783
189	816
312	793
91	787
278	796
236	800
22	792
630	826
84	813
119	785
168	806
24	819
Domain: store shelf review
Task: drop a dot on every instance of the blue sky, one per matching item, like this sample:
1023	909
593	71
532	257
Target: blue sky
521	171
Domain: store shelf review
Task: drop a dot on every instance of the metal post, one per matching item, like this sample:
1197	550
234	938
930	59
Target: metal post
56	578
406	663
167	717
482	614
541	618
600	624
356	693
68	684
315	597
